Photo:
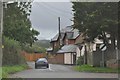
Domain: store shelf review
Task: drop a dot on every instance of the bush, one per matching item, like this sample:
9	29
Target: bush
80	61
11	52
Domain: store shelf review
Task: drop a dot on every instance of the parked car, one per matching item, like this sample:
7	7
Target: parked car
41	62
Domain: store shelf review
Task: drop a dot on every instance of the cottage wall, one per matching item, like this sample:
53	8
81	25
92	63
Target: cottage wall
79	39
68	59
78	52
71	41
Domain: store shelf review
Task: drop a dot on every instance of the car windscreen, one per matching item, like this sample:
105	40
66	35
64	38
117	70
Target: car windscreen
43	60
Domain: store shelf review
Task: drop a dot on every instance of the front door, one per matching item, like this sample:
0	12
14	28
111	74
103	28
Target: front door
74	59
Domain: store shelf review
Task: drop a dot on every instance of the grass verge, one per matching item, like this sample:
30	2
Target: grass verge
6	70
87	68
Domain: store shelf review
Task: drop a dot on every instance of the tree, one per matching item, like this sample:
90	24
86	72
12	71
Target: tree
17	24
96	20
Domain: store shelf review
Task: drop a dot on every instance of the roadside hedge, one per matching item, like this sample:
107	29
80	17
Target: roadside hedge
11	52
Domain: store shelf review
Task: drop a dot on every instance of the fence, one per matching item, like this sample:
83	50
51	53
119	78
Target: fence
32	56
56	59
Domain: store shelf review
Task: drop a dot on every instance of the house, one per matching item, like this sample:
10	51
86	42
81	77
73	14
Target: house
70	53
58	40
55	43
71	44
62	45
71	36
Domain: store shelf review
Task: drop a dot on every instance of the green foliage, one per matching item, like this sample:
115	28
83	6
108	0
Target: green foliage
6	70
96	19
11	52
17	31
10	43
37	47
80	60
43	43
88	68
34	49
17	24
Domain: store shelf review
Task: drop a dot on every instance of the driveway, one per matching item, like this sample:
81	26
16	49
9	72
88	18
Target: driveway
58	71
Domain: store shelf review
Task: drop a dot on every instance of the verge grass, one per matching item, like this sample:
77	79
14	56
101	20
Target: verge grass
6	70
88	68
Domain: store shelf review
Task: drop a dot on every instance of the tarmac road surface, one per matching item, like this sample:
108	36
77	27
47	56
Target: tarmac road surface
58	71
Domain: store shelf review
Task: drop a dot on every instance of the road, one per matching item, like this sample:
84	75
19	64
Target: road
58	71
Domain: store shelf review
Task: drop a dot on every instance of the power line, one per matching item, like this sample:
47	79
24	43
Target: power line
47	10
58	9
54	11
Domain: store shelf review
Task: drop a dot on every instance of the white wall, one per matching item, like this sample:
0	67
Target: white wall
67	58
78	53
83	50
94	47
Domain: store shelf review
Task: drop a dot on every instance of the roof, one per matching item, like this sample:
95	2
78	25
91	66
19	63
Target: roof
62	35
73	34
71	48
55	38
62	31
70	33
67	29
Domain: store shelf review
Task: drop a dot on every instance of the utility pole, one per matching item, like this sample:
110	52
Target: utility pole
1	28
59	30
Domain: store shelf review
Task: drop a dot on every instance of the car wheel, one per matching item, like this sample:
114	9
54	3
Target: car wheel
35	66
48	66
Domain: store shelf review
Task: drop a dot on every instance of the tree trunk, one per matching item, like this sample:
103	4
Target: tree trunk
85	56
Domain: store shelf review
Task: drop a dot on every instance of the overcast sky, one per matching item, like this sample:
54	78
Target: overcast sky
44	17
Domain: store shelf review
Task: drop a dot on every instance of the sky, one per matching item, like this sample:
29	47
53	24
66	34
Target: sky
44	17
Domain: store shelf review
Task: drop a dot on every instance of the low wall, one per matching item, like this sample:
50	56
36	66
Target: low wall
32	56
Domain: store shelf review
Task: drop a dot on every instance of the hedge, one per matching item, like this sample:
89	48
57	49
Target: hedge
11	52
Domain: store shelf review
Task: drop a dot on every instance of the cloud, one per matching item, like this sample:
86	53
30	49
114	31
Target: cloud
44	17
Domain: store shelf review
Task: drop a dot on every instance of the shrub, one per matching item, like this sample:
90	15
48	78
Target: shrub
11	52
80	61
